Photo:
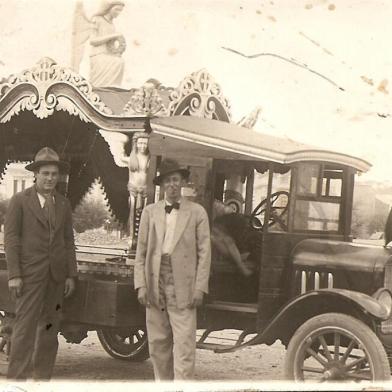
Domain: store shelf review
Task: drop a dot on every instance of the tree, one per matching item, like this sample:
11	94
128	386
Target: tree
377	223
359	223
90	214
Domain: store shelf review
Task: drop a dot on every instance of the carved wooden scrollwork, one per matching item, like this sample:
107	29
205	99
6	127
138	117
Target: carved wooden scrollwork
147	101
39	91
199	95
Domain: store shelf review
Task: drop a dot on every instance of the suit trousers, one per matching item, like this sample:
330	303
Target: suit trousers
172	341
34	341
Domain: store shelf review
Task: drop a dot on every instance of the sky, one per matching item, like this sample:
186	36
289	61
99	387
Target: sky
346	44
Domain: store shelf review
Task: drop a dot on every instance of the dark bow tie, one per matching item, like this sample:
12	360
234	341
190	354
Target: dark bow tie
168	208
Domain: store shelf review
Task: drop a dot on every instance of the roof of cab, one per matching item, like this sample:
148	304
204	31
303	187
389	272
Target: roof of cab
221	139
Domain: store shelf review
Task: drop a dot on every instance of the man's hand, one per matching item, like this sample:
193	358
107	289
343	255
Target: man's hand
197	299
69	287
15	287
246	271
142	297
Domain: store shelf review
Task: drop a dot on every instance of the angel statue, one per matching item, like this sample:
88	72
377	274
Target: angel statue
138	163
106	45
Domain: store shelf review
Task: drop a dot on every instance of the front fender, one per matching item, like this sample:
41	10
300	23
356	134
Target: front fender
367	303
312	303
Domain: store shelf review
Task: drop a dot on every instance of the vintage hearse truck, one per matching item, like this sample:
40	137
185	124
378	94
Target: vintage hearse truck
324	297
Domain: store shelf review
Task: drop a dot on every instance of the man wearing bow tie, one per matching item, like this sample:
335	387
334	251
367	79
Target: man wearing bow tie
171	273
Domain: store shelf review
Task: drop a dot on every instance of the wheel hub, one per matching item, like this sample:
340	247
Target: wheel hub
335	371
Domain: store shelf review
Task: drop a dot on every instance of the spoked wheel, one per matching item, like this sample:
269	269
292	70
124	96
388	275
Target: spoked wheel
123	343
336	347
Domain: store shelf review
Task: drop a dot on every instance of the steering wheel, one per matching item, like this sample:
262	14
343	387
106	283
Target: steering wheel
277	212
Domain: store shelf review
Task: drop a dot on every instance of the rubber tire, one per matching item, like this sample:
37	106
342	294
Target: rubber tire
139	355
356	327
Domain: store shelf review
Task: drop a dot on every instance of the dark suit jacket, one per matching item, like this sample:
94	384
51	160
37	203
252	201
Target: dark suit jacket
26	239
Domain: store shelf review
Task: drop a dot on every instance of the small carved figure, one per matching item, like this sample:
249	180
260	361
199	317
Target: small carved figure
139	160
138	163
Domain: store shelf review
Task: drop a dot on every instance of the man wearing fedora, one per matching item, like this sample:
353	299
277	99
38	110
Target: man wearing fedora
171	273
40	253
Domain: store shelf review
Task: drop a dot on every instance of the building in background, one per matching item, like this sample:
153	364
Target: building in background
15	179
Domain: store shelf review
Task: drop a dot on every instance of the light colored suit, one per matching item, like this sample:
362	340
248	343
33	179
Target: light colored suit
190	262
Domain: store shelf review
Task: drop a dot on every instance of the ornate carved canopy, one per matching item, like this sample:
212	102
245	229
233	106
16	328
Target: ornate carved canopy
49	105
54	106
47	88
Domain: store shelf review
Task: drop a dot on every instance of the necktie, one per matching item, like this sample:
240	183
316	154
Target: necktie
50	213
169	208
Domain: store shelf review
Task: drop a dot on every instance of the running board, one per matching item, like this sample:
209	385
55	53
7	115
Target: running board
247	309
222	348
212	346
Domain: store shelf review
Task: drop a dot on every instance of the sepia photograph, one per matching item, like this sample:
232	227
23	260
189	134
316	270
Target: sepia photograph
195	195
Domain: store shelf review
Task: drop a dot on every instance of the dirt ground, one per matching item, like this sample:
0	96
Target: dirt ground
86	367
89	362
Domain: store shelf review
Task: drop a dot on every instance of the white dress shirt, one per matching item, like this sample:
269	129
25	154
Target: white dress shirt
42	199
170	226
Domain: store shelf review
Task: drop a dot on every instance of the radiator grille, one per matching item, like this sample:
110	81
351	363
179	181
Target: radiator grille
314	280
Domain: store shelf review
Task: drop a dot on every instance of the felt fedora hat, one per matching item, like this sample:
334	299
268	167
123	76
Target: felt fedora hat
47	156
167	167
